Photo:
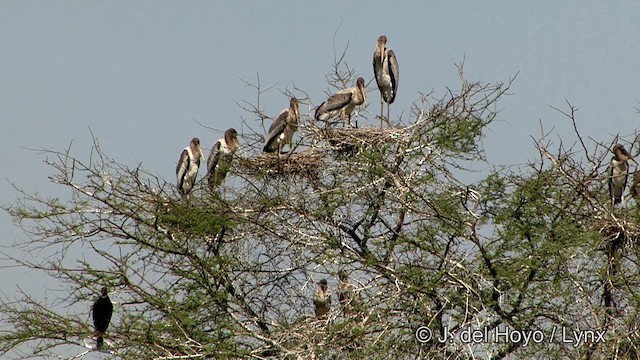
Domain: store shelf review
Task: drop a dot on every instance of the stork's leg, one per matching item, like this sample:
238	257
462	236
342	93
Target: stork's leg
388	118
381	110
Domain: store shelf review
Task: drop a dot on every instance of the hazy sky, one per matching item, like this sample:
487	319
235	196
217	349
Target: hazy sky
140	74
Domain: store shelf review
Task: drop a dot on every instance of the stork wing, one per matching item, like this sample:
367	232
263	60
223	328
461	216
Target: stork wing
377	69
276	129
214	157
610	178
394	73
335	102
182	168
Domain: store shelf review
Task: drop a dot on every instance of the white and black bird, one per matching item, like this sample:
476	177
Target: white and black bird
220	157
385	68
282	129
618	173
101	311
342	103
188	166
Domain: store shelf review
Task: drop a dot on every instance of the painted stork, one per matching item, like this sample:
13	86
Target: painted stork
342	103
101	310
618	173
635	186
322	299
282	129
220	157
188	166
385	67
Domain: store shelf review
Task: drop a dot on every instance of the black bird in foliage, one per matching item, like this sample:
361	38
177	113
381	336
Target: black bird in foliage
102	310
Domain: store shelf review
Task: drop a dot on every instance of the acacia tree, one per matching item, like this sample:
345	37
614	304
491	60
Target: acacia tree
230	273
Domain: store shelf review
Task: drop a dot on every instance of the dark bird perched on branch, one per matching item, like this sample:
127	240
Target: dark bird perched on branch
101	310
281	131
322	299
220	157
385	68
342	103
188	166
618	173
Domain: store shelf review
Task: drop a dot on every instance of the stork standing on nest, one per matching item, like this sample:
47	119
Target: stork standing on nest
188	166
618	173
281	131
221	156
385	68
342	103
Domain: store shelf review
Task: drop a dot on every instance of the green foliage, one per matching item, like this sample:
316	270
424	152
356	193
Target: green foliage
231	273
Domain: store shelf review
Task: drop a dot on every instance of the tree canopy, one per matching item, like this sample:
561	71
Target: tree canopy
438	244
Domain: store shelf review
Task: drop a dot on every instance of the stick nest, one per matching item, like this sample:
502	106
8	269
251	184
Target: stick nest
306	163
353	139
618	233
309	336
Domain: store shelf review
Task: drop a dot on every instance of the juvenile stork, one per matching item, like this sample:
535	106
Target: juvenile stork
347	294
282	129
101	310
322	299
220	158
618	173
385	67
342	103
188	166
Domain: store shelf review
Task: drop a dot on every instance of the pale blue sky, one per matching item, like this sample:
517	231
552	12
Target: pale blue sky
140	73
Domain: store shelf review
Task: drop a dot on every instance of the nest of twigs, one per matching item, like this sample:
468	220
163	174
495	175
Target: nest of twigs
352	140
306	163
309	335
618	233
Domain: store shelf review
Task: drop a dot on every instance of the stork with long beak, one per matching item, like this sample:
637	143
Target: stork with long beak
385	68
188	166
342	103
220	158
282	130
618	173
